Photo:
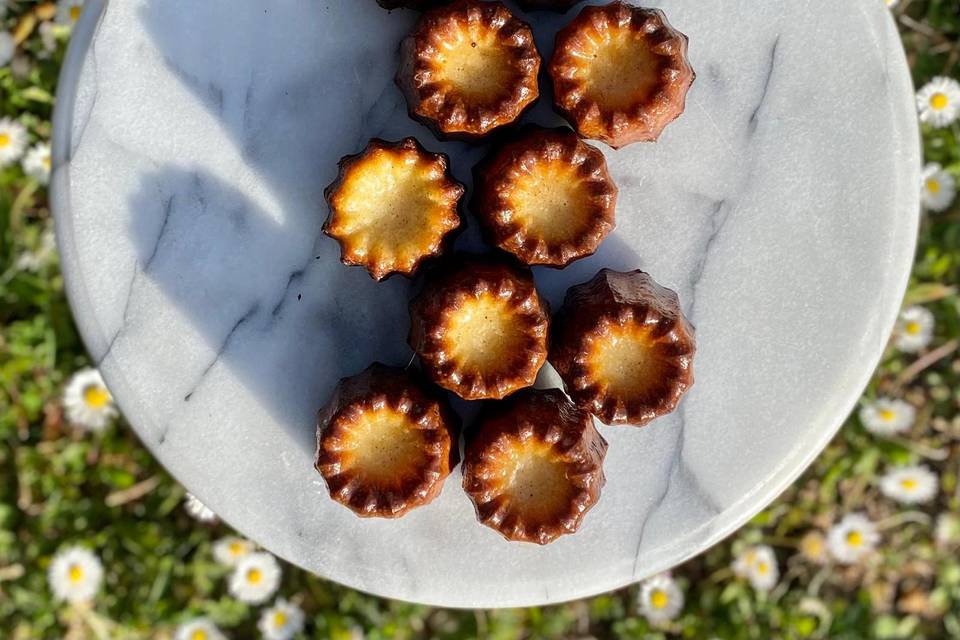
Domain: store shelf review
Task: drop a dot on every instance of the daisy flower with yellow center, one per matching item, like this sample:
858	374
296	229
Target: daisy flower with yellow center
75	575
851	539
937	188
228	551
910	484
255	578
887	416
68	12
36	163
87	402
758	565
198	629
660	599
13	141
197	510
914	330
282	621
939	102
813	547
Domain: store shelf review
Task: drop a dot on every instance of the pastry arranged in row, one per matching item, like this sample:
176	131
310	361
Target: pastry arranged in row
620	73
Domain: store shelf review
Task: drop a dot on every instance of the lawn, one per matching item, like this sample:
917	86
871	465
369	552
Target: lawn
74	475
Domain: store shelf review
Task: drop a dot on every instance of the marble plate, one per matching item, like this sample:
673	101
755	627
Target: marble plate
192	145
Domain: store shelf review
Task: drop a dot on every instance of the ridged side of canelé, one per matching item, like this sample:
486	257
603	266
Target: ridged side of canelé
439	106
425	411
511	167
547	423
644	118
459	285
627	306
446	213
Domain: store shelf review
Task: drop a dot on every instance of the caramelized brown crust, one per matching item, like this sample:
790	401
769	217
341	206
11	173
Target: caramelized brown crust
480	328
535	466
392	206
385	442
468	68
620	73
546	197
623	347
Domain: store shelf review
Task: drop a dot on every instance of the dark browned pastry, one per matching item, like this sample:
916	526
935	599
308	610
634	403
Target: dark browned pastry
392	206
552	5
385	442
535	467
546	197
480	328
620	73
468	68
410	4
623	347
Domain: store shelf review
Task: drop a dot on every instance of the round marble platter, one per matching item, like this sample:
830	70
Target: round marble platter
192	145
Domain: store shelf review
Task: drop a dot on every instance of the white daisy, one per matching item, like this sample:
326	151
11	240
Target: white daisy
947	532
75	575
910	484
758	565
813	547
7	47
198	629
41	256
255	578
914	330
939	102
886	416
852	538
282	621
937	188
229	550
198	510
660	598
36	163
87	401
13	140
68	11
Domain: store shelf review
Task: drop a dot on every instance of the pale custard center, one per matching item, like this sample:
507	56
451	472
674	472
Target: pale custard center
625	361
483	334
475	65
383	444
621	70
550	202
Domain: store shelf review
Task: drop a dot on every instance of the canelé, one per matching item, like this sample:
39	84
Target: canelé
386	441
623	347
620	73
392	206
546	197
479	327
468	68
535	466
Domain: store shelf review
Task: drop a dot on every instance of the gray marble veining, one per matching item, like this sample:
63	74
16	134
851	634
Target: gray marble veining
192	145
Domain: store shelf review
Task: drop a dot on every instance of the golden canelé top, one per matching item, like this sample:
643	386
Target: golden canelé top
623	347
479	327
385	442
620	73
535	466
392	206
546	197
468	68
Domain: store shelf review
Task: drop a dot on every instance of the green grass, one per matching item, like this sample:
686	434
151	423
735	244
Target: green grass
60	485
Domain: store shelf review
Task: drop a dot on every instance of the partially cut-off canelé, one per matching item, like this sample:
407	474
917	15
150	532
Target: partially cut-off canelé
468	68
479	327
620	73
546	197
535	466
386	441
623	347
392	206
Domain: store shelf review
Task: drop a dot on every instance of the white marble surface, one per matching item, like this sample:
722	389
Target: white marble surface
193	143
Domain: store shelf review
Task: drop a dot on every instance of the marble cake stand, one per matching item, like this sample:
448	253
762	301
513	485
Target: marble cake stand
192	145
